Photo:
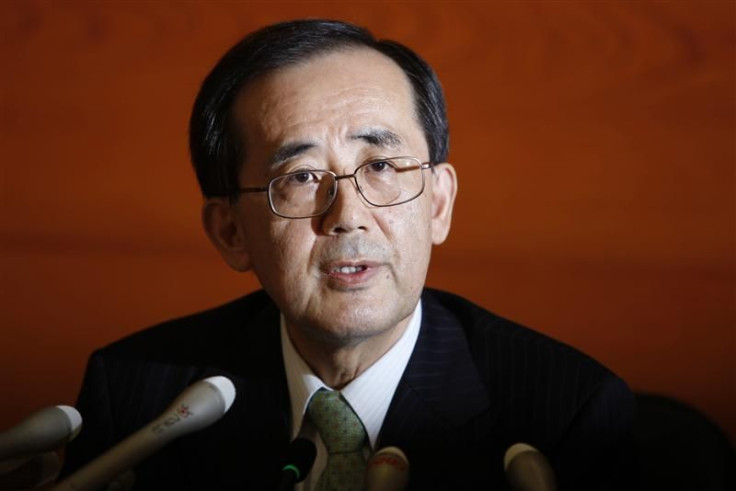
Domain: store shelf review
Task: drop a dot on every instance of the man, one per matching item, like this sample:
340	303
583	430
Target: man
321	155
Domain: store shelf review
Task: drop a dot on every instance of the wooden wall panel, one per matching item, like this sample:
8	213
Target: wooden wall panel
594	143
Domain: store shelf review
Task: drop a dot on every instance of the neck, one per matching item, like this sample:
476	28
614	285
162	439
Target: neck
338	361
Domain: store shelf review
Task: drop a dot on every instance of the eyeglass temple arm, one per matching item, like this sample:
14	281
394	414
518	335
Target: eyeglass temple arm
251	190
422	166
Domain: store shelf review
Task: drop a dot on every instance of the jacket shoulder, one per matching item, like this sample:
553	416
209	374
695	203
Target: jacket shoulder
550	395
199	336
492	338
533	377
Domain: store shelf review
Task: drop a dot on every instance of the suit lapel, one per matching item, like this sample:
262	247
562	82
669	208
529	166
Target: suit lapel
257	363
441	390
441	414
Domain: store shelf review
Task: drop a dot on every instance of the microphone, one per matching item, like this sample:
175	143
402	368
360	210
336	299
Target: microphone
42	431
527	469
387	470
124	482
200	405
298	462
31	472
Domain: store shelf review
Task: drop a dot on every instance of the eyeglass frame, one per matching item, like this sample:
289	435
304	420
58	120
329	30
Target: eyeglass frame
422	166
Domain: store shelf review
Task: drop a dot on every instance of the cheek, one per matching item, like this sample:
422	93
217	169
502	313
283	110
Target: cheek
267	244
410	233
290	246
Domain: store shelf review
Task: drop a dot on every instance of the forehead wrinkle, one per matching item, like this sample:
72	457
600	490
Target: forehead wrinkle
297	110
296	123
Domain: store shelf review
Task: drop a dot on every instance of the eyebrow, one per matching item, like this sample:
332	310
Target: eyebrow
289	150
379	138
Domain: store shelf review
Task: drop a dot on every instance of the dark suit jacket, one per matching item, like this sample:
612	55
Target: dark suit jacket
475	384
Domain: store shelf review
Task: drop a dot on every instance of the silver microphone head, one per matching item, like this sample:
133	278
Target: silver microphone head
527	469
387	470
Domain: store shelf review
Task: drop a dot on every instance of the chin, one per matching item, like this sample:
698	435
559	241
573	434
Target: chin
351	328
344	339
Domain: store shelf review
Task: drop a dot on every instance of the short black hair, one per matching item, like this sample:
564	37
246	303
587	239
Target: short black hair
217	150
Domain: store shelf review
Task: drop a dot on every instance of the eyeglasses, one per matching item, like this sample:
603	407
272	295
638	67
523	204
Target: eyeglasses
310	192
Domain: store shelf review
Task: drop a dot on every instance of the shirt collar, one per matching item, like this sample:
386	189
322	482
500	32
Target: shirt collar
369	394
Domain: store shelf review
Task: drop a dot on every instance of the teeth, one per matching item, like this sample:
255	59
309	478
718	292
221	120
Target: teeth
349	269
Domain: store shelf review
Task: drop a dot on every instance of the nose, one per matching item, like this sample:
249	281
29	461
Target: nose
348	212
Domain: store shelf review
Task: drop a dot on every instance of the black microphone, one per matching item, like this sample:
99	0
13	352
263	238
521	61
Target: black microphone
298	462
527	469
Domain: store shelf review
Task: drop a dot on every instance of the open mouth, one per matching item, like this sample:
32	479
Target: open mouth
349	269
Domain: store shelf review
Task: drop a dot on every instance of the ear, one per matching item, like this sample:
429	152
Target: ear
225	231
444	190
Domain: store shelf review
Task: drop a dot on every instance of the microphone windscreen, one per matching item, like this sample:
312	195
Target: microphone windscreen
527	469
225	388
42	431
387	470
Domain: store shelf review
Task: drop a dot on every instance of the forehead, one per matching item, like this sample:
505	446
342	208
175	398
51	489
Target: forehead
325	100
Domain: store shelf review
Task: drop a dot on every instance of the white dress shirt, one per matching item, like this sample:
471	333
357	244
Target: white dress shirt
369	394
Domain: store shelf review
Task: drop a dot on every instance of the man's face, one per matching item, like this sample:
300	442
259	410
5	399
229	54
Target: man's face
358	270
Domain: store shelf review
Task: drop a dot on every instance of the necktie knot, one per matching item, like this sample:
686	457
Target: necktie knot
338	425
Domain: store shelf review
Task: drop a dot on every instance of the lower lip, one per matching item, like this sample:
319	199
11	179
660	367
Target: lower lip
352	280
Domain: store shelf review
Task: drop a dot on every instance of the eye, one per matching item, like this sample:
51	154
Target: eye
298	179
379	167
303	177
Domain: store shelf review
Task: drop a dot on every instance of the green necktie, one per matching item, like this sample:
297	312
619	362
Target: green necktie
344	436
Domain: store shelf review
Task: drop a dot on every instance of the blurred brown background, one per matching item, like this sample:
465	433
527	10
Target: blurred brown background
594	142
